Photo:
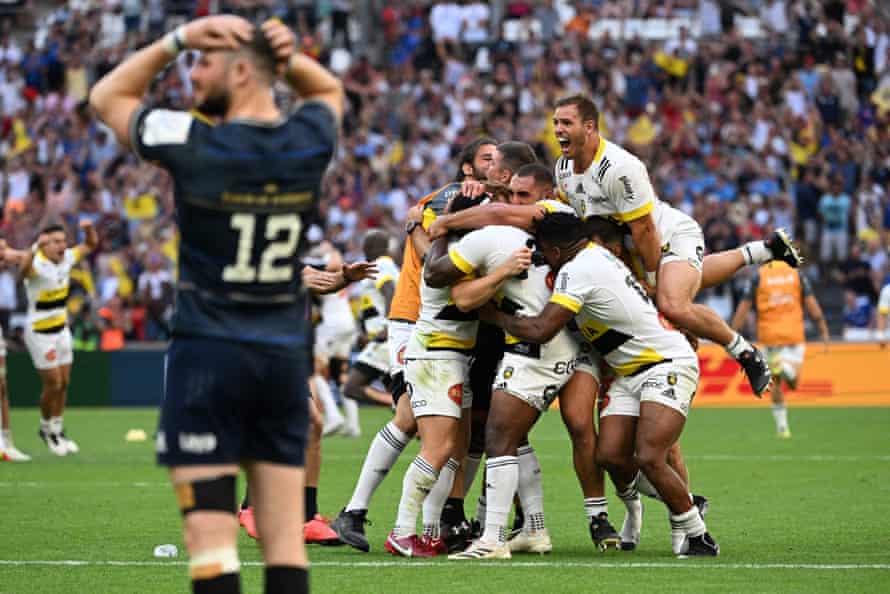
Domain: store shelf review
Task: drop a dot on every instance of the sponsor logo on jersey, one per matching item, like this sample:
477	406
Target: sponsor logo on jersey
456	394
669	393
628	189
700	253
563	281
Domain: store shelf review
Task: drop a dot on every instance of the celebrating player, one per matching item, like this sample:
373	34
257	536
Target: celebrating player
656	371
236	382
46	270
779	294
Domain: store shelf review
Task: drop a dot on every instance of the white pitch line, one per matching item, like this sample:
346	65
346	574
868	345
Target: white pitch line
679	564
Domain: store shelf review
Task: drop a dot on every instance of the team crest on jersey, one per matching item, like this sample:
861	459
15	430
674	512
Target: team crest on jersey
508	372
456	394
672	379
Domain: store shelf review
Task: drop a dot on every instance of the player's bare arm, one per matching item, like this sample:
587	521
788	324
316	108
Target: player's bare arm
118	95
814	310
22	259
90	238
323	282
473	294
523	216
648	243
538	329
440	271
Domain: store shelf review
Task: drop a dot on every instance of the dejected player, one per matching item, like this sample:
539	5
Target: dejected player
236	378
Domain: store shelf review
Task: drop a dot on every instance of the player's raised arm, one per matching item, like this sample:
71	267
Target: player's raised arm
118	95
20	258
511	215
90	239
311	80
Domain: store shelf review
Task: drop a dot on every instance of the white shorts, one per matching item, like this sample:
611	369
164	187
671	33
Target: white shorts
672	384
682	239
49	351
399	333
439	387
333	342
786	356
375	355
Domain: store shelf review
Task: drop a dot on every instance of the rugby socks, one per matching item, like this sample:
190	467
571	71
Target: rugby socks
594	506
350	411
419	480
531	491
311	503
780	414
737	346
332	416
685	525
435	501
45	426
286	579
501	480
228	583
645	487
471	467
216	571
383	453
756	252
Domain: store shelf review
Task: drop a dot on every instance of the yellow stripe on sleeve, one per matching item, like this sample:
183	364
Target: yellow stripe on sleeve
383	280
570	303
632	215
429	215
460	262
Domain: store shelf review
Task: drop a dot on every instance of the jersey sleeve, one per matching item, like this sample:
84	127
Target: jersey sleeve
387	275
73	256
749	291
551	206
475	252
884	301
162	135
806	289
628	187
318	121
571	288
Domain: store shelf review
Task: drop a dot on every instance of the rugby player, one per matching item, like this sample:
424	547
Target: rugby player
474	161
779	294
236	389
656	370
46	270
8	451
376	296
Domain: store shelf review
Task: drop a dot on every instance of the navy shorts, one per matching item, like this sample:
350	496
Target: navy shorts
487	356
226	401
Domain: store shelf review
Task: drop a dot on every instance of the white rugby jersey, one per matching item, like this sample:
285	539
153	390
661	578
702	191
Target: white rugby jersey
47	290
551	206
442	331
616	185
481	252
336	312
372	303
613	313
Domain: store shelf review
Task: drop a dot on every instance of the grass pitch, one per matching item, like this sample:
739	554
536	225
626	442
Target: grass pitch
807	515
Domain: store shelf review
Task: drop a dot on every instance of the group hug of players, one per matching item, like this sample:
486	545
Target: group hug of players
519	287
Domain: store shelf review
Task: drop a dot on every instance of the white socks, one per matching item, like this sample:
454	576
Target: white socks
780	414
683	526
531	491
332	416
51	425
435	501
756	252
594	506
385	449
737	346
501	479
350	411
419	480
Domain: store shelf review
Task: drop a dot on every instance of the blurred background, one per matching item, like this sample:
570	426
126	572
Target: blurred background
750	115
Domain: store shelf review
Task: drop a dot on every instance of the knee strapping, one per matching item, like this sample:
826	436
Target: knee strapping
213	563
216	494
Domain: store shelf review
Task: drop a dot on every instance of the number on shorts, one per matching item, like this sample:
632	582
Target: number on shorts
242	271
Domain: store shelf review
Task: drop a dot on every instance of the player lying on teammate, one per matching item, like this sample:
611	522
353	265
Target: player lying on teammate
46	270
473	163
530	376
599	178
779	295
656	371
376	296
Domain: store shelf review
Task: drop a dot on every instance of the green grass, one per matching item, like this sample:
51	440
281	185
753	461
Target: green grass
822	498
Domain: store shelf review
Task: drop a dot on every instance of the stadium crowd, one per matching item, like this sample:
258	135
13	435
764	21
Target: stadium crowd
790	128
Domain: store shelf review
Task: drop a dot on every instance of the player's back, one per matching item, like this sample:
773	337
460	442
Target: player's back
373	303
243	192
614	314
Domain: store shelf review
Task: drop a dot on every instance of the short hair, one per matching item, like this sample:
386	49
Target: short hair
561	229
376	244
463	202
53	228
468	154
605	230
516	154
261	53
586	107
542	174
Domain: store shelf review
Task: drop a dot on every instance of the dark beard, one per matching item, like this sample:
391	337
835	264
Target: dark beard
215	105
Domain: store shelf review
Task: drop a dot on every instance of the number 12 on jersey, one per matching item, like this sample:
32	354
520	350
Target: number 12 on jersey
276	263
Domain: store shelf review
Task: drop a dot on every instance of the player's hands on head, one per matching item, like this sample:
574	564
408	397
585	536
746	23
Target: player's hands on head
359	271
219	32
282	40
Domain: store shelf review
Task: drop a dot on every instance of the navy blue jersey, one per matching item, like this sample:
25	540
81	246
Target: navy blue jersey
245	192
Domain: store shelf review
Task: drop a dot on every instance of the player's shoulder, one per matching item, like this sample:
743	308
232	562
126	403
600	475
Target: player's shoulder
615	162
552	205
440	198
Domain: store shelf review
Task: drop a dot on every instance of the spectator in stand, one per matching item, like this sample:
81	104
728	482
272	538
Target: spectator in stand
156	295
834	208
